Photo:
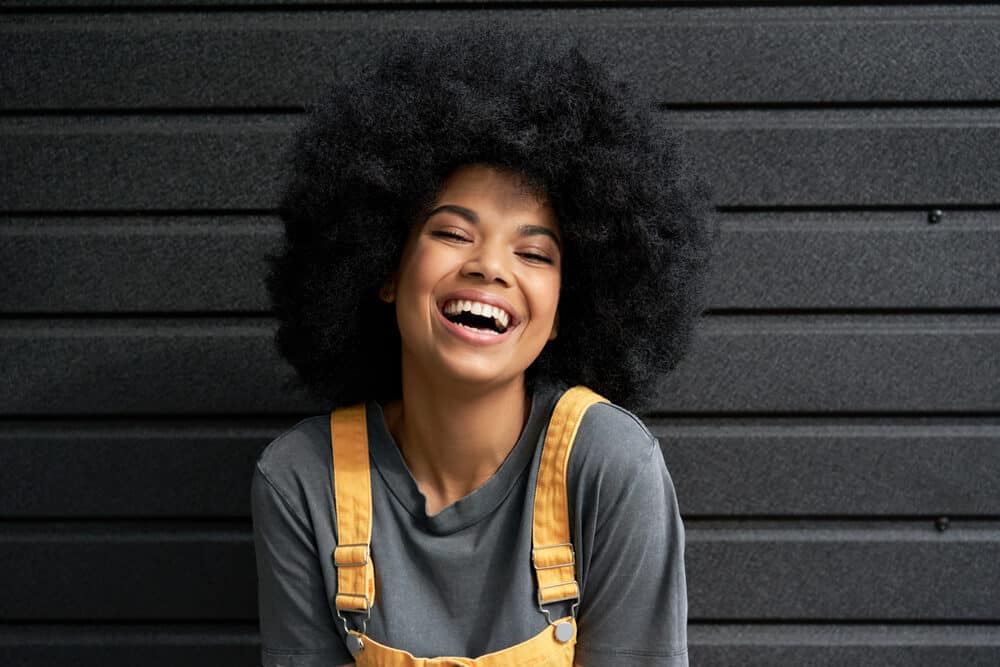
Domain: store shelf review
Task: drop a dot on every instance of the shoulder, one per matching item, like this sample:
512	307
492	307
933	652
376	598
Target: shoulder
612	439
297	461
616	465
300	445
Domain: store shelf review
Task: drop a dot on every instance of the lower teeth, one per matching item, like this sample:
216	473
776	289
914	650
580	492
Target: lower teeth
477	330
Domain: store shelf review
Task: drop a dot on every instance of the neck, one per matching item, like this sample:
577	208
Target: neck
454	438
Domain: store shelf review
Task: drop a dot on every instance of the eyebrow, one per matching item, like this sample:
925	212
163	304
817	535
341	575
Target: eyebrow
471	216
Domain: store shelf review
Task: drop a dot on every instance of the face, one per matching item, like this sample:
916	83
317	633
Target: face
477	288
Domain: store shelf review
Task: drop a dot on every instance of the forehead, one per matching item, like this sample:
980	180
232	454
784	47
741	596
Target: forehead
484	188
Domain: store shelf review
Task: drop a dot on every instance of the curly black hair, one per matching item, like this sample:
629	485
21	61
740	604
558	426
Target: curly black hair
637	226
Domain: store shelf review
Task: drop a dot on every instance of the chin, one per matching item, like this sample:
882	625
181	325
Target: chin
481	375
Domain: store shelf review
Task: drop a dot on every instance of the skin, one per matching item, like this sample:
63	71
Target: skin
464	404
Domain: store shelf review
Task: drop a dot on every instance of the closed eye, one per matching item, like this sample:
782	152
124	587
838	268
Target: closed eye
450	235
536	258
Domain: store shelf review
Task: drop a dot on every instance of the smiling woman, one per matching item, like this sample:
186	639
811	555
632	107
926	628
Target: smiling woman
487	244
478	230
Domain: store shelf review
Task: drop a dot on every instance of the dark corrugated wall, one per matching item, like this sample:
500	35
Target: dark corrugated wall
834	435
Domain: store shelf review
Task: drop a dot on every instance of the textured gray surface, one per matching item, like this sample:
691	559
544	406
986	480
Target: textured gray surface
156	163
846	570
920	363
842	395
154	645
131	469
716	645
879	260
164	264
144	366
874	466
759	159
204	570
128	570
756	55
801	363
819	645
856	157
804	467
889	260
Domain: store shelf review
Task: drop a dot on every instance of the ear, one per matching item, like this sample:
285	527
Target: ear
387	292
555	327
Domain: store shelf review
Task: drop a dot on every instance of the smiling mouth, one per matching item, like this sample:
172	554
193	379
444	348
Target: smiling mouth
480	323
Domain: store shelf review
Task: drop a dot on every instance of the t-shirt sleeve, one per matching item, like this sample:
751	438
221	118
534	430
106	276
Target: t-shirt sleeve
633	607
297	628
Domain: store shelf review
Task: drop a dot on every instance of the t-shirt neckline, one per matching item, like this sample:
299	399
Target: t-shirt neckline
479	503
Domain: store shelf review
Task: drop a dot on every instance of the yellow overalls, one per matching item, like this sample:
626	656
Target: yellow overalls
552	553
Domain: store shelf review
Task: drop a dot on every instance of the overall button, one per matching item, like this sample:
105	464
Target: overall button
564	631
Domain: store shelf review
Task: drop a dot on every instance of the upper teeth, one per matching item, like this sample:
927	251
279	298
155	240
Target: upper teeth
477	308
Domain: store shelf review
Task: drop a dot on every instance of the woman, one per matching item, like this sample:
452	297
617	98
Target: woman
472	228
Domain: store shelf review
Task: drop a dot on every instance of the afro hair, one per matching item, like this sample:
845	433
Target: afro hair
637	226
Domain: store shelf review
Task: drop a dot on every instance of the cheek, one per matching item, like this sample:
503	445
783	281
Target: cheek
420	270
546	298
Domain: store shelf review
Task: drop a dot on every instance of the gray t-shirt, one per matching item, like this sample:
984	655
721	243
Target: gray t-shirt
460	582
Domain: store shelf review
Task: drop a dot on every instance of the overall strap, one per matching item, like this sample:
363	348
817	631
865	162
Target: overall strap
552	553
352	487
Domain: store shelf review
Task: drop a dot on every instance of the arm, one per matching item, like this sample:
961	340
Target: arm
633	609
297	628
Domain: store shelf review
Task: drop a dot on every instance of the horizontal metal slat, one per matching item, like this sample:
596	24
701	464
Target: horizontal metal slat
144	264
857	570
274	59
137	264
857	260
733	645
127	571
769	260
720	467
843	467
830	363
864	571
858	157
720	645
752	159
146	366
131	469
142	163
114	645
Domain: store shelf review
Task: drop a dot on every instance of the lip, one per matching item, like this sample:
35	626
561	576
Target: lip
467	334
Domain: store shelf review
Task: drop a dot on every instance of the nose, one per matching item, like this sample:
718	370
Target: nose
489	264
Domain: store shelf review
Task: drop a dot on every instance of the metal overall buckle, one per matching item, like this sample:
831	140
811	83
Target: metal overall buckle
354	642
563	630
